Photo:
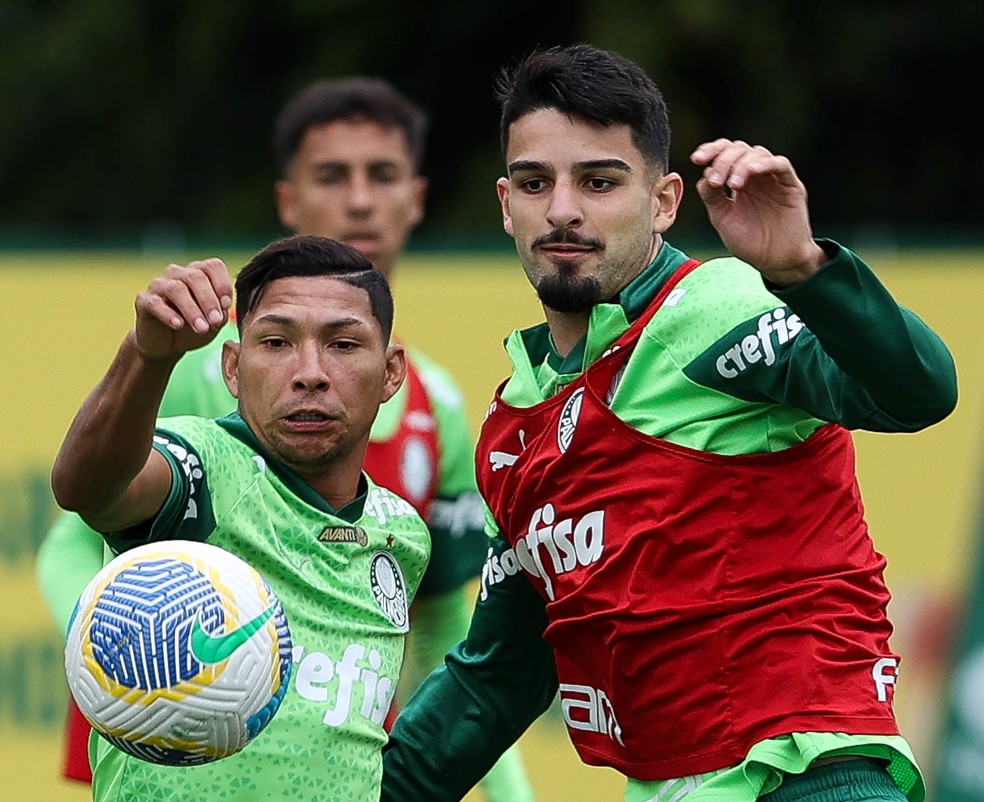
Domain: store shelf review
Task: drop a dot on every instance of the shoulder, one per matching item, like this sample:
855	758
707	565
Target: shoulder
187	435
385	508
441	386
718	297
726	281
188	427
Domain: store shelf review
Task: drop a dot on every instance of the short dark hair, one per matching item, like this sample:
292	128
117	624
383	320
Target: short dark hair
592	84
308	255
348	98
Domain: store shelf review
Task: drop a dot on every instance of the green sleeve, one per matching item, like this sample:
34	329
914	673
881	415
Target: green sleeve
841	350
439	622
189	490
898	372
492	686
70	555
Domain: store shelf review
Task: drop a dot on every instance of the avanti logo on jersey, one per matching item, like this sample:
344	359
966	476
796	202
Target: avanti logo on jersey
568	419
590	709
355	679
550	548
344	534
771	330
389	589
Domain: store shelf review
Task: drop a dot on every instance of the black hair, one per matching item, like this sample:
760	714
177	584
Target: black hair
585	82
345	99
308	255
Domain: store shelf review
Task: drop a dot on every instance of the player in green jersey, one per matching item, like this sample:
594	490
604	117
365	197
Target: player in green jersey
312	366
350	153
678	539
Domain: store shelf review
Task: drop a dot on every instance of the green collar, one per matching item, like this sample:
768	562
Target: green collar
630	303
351	512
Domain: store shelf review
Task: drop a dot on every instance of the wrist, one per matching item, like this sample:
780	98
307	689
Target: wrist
798	271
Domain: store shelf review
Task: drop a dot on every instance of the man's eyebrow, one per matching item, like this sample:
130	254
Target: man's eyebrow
272	318
523	165
340	164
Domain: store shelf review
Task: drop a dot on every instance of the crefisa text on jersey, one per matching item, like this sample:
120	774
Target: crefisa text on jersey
549	548
773	329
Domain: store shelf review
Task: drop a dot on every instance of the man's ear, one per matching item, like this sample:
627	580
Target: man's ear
396	371
502	190
230	366
420	186
283	196
667	192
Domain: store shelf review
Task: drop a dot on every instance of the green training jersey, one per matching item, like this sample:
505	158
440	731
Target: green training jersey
729	366
347	628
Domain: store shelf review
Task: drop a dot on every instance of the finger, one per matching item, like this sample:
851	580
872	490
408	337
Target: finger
218	275
181	289
760	162
706	152
151	303
197	278
719	171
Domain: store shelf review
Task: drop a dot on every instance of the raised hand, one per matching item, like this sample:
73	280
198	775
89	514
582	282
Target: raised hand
183	309
757	204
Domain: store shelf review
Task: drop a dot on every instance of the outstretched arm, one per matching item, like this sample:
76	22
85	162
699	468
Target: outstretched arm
106	469
864	361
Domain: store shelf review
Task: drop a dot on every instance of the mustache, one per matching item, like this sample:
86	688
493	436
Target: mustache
563	236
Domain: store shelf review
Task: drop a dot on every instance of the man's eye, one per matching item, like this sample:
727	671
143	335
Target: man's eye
275	342
600	184
344	345
386	176
534	185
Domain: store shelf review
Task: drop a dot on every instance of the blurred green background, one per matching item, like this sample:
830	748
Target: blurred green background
146	122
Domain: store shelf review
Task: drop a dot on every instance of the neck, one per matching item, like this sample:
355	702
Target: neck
567	329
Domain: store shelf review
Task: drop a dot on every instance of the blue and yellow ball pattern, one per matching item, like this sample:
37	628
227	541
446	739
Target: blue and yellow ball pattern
178	653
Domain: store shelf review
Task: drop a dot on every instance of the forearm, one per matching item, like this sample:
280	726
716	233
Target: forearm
887	350
467	713
110	439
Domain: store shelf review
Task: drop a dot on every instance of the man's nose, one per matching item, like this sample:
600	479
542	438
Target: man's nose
565	209
309	372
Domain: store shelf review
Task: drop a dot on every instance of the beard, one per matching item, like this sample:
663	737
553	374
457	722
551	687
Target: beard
565	291
569	293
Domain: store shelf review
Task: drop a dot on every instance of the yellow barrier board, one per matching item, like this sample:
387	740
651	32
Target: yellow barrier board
64	315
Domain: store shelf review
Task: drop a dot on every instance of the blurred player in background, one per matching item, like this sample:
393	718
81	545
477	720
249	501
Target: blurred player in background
680	541
350	153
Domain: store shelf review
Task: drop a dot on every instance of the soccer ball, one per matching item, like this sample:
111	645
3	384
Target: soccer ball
178	653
